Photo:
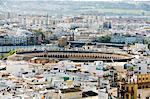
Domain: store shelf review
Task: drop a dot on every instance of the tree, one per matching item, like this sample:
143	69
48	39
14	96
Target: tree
104	39
40	37
39	32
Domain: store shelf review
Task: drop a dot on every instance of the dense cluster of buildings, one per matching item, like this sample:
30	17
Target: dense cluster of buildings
50	69
81	28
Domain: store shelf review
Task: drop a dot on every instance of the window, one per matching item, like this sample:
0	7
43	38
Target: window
132	96
147	97
33	71
132	88
123	88
139	96
127	88
139	68
143	87
127	96
139	87
139	78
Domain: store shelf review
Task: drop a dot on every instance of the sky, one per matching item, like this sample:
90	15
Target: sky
82	0
112	0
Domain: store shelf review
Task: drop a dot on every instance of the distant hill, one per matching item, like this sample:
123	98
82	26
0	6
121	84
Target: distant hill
75	7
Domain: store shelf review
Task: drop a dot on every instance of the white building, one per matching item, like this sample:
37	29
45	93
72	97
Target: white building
141	66
118	38
102	94
17	67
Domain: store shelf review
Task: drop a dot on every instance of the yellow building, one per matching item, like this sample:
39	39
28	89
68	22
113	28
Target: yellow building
139	89
143	81
129	91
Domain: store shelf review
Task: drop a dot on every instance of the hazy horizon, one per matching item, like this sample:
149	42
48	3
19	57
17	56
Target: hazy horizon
71	7
82	0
